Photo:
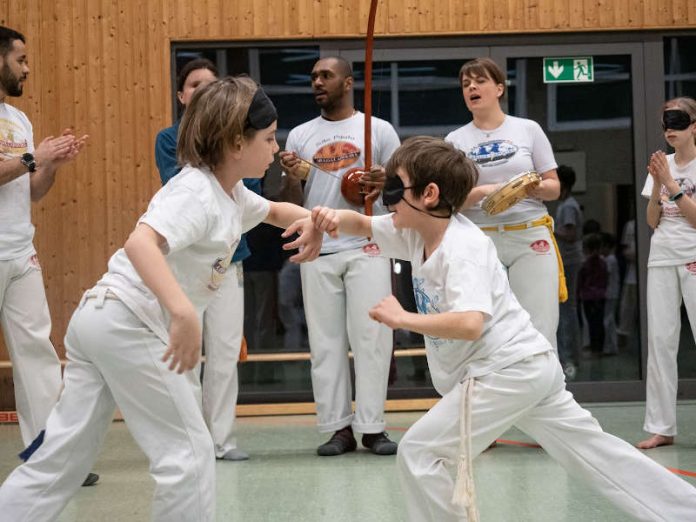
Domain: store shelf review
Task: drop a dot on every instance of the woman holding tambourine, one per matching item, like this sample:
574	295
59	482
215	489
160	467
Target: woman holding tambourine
508	203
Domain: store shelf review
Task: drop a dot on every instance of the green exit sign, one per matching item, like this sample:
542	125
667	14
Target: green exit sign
573	69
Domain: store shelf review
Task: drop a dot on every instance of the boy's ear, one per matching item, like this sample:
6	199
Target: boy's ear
237	146
431	195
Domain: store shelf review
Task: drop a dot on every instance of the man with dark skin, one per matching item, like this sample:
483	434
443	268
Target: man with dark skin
349	277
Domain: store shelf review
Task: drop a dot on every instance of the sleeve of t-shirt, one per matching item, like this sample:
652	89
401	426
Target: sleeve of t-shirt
179	216
647	188
542	153
566	216
393	243
165	156
468	286
255	208
387	142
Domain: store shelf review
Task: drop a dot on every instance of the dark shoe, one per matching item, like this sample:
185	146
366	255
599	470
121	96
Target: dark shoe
379	443
91	480
340	442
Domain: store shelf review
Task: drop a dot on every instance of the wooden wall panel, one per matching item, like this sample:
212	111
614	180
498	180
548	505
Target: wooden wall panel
102	66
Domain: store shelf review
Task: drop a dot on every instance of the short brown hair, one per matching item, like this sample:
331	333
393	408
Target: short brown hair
483	67
215	121
433	160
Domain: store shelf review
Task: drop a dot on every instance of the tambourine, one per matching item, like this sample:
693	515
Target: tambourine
511	193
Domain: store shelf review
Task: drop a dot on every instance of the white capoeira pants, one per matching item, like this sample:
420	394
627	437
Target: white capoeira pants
531	395
115	360
532	266
338	291
26	325
223	326
666	288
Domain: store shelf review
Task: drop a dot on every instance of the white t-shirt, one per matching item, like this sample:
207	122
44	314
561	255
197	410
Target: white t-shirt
569	212
517	146
337	146
202	225
674	239
463	275
16	230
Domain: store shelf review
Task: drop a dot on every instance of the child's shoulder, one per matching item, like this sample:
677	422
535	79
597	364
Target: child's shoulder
465	239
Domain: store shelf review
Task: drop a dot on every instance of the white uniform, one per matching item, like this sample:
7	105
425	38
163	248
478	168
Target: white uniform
115	343
512	379
529	256
671	278
345	282
24	316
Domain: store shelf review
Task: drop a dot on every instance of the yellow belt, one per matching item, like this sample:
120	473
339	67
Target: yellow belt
547	222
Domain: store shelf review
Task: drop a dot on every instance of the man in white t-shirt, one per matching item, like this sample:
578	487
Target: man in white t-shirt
349	277
492	367
26	175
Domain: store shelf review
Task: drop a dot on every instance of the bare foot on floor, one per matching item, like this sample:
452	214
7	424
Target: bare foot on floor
656	441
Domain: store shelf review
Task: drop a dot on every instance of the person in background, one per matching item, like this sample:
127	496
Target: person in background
606	250
503	146
27	174
224	318
568	229
350	276
670	187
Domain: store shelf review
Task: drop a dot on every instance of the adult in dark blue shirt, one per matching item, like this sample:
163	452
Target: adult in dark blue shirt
223	319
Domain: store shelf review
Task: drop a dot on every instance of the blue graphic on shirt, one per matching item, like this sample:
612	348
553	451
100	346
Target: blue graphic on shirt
426	305
491	153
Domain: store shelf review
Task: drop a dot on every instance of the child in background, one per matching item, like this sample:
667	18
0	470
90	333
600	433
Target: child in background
592	290
491	366
611	298
671	212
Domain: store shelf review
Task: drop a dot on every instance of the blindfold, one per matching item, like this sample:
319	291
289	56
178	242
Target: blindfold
262	112
675	119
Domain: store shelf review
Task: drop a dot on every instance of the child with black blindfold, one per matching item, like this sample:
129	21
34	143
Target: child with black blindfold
135	338
491	366
671	264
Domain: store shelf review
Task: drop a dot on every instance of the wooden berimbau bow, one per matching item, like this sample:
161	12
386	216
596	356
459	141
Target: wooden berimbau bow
351	187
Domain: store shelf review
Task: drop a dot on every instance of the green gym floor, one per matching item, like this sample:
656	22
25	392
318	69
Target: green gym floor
285	481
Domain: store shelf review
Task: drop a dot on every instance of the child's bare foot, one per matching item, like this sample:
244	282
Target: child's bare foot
656	441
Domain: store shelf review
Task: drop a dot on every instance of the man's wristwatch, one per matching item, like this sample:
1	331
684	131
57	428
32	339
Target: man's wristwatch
28	161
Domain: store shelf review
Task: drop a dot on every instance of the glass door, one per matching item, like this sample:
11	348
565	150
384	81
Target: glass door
597	128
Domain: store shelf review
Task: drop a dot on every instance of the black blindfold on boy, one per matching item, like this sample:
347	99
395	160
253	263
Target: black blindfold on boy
676	119
393	192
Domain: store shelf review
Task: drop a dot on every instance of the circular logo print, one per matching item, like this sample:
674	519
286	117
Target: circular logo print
541	246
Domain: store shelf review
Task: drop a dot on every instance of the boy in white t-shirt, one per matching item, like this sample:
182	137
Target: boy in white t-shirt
142	319
493	369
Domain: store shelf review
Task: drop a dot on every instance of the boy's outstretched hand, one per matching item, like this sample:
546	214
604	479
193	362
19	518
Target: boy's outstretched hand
308	242
389	312
326	220
185	336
